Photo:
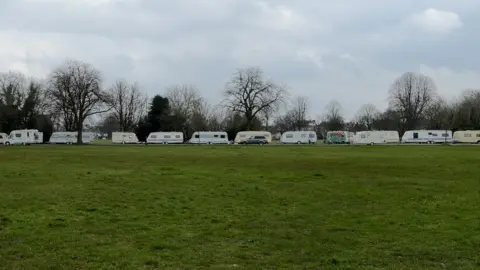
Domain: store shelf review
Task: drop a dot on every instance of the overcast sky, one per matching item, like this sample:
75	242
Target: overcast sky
344	50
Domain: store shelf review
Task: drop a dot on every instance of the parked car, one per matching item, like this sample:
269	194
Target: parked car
255	140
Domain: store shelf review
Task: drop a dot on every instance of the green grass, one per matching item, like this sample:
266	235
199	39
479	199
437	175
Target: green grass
285	207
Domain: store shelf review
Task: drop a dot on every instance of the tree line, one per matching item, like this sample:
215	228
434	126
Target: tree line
73	97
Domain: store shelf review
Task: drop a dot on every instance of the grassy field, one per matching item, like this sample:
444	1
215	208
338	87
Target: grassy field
194	207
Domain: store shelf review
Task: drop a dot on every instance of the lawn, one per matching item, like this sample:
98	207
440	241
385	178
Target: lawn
249	207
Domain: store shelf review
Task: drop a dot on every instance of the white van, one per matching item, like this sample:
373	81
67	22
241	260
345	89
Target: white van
377	137
124	137
209	137
299	137
3	137
243	135
165	137
23	137
427	136
466	136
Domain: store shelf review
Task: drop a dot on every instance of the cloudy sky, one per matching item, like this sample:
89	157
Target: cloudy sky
344	50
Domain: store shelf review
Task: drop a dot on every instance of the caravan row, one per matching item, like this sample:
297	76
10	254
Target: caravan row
391	136
215	137
221	137
161	137
363	137
33	136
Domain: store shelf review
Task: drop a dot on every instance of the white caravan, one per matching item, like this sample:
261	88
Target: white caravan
70	137
340	137
377	137
66	137
165	137
243	135
124	137
299	137
427	136
23	137
3	137
466	136
209	137
87	137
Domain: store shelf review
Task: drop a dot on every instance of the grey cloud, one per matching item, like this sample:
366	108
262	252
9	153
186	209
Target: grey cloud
202	42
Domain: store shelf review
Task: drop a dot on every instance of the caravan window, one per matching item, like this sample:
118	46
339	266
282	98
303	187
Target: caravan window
222	136
1	136
415	135
467	135
312	135
124	136
478	134
177	136
167	136
153	136
215	136
242	136
289	136
18	135
445	135
304	135
363	136
197	136
434	134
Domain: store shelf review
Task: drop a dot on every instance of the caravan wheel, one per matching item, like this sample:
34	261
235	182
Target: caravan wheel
299	142
123	142
7	143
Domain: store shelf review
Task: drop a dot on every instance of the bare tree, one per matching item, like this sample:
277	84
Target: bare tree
296	117
129	104
22	101
468	110
76	91
299	112
266	115
217	118
191	111
333	116
410	95
12	88
435	114
367	115
250	94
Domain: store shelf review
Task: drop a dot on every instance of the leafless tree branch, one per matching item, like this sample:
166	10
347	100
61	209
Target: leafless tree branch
250	94
75	90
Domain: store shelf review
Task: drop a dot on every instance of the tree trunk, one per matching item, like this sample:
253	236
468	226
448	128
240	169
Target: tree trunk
79	136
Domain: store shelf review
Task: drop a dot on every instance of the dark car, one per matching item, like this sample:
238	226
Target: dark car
255	140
